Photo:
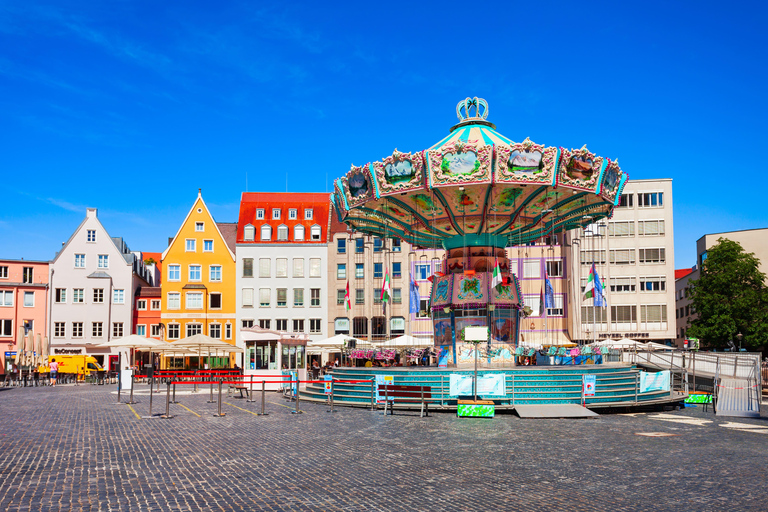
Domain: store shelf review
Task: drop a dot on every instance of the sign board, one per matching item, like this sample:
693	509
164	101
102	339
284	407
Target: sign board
589	381
383	380
442	358
125	379
328	384
658	381
475	333
490	384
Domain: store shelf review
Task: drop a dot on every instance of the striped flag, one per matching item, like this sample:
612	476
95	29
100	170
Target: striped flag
496	280
386	288
594	289
347	299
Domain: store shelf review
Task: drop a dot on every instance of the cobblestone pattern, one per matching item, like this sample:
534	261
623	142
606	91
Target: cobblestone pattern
73	448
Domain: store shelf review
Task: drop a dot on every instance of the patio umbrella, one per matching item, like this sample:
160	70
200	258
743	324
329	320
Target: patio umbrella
38	350
201	341
46	349
20	340
133	341
30	352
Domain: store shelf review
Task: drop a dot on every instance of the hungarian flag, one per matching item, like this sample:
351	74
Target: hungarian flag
496	280
347	299
594	289
386	288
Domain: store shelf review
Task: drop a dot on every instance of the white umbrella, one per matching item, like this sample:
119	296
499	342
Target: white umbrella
406	341
201	341
20	340
30	349
338	341
38	349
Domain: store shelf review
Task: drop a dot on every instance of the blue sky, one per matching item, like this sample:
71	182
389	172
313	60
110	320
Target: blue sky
131	106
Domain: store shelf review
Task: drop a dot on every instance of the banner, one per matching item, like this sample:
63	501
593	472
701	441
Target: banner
490	384
328	384
383	380
658	381
590	381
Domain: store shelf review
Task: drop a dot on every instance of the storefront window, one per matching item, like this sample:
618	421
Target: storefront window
293	357
262	355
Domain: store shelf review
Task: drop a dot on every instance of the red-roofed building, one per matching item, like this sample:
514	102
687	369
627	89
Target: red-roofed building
682	272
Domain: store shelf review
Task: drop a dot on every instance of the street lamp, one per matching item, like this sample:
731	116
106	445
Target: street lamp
739	337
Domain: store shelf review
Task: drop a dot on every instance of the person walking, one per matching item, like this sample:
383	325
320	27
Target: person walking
54	371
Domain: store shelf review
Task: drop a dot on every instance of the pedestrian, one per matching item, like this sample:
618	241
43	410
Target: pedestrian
336	363
54	371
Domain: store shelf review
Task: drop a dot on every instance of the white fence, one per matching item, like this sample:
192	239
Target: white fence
740	365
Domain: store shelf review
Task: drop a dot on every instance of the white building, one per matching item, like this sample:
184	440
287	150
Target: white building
92	281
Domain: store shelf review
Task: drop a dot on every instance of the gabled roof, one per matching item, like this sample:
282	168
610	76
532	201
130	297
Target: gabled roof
200	197
252	201
228	231
79	227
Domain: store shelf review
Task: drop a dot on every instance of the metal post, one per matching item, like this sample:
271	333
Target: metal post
331	396
250	395
133	383
297	411
220	414
119	372
442	392
513	390
211	400
386	398
194	377
694	370
373	394
175	378
263	398
151	386
637	385
167	414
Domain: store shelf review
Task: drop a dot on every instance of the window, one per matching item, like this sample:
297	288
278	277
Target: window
174	300
59	329
191	245
298	297
397	269
341	326
265	323
359	270
194	300
650	228
282	297
314	267
622	256
396	245
265	267
555	268
292	214
79	260
650	199
259	213
195	272
248	267
61	296
360	296
155	330
298	267
341	246
298	325
653	284
249	233
214	273
282	233
98	295
626	201
531	269
314	294
276	214
141	304
117	330
193	329
651	255
6	298
97	329
174	272
77	295
340	296
315	232
103	261
199	226
558	308
228	331
359	245
207	245
281	324
421	270
621	228
248	297
653	316
298	232
214	331
308	214
174	331
589	256
281	267
77	329
155	304
314	325
397	296
91	235
341	271
534	302
423	308
266	232
378	270
264	297
360	327
377	244
623	317
397	326
141	330
29	299
214	300
592	314
4	272
622	284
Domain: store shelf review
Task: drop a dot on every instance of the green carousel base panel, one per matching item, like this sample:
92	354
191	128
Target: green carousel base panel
472	409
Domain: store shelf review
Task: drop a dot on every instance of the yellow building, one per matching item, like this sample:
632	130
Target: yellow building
198	285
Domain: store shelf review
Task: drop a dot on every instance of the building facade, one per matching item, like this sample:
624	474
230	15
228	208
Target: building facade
23	305
92	280
198	284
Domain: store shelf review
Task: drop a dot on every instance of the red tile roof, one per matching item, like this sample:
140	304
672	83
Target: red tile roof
229	233
682	272
251	201
155	256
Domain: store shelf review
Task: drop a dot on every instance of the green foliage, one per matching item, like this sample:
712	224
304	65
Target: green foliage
730	297
149	261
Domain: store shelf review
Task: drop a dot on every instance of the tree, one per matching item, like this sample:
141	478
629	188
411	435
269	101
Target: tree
730	297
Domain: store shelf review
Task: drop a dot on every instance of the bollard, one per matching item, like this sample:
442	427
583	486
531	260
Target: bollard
386	398
175	378
330	397
637	385
167	414
133	383
373	395
263	399
297	411
211	400
250	395
150	394
194	377
220	414
119	384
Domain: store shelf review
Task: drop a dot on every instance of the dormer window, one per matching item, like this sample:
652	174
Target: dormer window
249	233
308	214
292	214
315	232
266	232
260	213
298	232
282	232
276	214
199	226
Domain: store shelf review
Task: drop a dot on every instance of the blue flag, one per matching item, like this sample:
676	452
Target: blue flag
599	292
549	293
415	298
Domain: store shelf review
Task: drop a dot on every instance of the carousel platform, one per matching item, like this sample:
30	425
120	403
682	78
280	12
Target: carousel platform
617	385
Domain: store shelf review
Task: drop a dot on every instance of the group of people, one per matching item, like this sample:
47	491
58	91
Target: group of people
51	370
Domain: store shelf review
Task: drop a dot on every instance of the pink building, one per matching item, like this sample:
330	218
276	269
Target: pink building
23	304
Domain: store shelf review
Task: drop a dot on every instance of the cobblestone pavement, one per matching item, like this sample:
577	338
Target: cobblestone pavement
73	448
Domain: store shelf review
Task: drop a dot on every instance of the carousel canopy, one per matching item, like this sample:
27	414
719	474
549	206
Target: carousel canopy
478	187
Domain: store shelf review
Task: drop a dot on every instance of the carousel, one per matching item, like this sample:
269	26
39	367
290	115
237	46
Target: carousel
474	194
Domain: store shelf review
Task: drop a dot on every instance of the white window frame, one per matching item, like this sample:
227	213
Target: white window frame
103	261
281	267
88	234
141	330
298	267
78	293
80	258
265	297
531	269
315	267
282	233
266	232
173	300
174	268
298	232
249	233
155	304
29	294
191	300
190	242
246	297
293	213
59	329
275	213
206	242
265	267
316	233
308	213
174	326
199	272
212	270
118	296
141	304
60	293
199	227
215	326
259	213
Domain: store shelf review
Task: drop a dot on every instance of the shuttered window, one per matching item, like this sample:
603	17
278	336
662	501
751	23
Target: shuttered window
622	256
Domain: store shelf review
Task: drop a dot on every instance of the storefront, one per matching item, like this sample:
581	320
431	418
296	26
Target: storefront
269	353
